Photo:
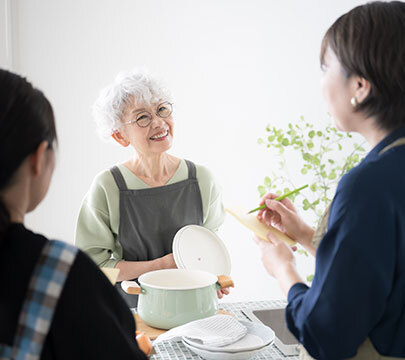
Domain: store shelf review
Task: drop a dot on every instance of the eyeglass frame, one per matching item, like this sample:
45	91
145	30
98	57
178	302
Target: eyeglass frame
151	117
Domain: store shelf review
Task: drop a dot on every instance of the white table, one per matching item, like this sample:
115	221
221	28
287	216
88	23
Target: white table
175	350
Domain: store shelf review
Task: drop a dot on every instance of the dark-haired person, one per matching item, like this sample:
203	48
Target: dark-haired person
54	301
355	307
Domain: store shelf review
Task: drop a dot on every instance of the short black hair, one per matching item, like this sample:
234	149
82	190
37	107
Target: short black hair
26	119
369	41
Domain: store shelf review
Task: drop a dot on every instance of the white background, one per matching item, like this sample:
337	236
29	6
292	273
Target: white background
233	66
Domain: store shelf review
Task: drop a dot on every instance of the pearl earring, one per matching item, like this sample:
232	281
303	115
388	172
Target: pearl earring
353	101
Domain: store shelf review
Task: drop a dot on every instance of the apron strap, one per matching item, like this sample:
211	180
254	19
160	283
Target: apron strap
119	179
192	173
398	142
42	297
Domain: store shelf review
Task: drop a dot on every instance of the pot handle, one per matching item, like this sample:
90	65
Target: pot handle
225	281
131	287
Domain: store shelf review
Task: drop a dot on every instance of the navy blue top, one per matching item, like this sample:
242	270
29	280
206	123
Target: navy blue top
358	290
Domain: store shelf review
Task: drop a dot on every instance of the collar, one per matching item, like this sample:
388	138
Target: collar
389	139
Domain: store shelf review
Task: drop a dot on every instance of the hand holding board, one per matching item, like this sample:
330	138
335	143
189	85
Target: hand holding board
253	223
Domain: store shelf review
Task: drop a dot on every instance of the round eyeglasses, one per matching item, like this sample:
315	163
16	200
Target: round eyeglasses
144	118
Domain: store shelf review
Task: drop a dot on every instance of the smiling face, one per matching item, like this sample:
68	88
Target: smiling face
157	137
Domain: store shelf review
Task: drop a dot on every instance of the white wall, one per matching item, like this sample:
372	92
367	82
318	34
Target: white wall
233	66
5	35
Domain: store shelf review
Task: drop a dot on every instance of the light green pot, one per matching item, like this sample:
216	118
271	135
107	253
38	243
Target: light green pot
169	298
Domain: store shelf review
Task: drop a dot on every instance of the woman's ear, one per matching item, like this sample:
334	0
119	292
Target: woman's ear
37	159
117	136
362	88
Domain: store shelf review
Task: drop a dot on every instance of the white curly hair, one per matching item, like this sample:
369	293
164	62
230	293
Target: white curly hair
129	87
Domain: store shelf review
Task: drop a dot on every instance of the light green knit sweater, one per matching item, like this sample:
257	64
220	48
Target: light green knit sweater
98	221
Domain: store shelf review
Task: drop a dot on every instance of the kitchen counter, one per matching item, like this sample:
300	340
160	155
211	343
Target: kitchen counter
175	350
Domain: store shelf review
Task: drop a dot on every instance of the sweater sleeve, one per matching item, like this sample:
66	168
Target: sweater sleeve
94	232
211	195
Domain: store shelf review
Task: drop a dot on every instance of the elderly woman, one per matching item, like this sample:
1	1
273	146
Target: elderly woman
355	307
132	211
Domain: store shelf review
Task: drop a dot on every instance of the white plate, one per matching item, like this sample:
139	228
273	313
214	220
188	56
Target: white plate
257	337
197	248
211	355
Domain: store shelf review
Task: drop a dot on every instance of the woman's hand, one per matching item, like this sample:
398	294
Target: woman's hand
222	292
130	270
283	216
167	262
276	254
279	261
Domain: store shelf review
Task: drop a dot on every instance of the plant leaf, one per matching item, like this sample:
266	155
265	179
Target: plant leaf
262	190
310	278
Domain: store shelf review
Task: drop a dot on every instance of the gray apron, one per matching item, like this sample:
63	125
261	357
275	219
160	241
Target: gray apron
149	218
366	350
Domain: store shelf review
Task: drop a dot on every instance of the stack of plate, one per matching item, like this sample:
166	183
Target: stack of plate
258	337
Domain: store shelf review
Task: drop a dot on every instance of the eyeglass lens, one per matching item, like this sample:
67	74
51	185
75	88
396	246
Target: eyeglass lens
164	110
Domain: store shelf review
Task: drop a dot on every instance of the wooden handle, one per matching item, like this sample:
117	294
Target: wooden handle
225	281
131	287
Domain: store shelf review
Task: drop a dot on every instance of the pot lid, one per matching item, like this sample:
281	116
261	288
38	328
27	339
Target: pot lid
197	248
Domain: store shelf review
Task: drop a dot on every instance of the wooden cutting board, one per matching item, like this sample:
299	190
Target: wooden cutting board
152	332
252	222
111	273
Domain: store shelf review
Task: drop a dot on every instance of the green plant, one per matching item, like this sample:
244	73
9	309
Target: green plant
325	156
323	161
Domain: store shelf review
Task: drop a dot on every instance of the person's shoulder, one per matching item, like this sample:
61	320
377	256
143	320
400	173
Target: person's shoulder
103	180
209	185
25	244
20	233
20	229
85	271
83	261
391	161
203	173
368	178
90	304
102	187
89	299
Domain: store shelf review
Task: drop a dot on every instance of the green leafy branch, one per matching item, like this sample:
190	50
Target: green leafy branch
322	158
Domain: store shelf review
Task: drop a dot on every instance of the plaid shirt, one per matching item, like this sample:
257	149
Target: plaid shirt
43	293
